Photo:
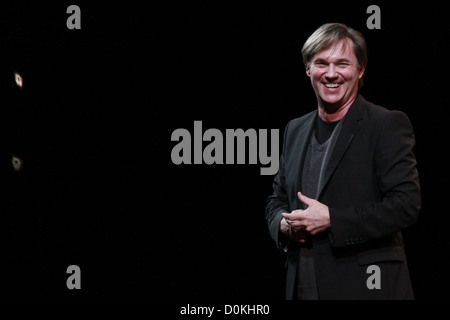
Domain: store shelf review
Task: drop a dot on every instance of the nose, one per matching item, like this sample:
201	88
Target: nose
331	72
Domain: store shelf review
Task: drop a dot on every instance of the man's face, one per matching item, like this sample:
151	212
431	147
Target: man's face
335	74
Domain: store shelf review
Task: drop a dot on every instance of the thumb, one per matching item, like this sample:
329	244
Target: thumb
305	199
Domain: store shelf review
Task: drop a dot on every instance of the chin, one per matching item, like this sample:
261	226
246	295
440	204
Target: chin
331	99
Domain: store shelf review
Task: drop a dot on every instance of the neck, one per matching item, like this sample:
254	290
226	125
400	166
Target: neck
332	112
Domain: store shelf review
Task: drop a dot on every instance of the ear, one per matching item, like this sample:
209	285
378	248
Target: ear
308	73
362	70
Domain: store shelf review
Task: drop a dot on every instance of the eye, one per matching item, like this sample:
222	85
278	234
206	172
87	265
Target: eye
320	64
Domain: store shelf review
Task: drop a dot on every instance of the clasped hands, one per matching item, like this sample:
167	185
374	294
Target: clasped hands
300	224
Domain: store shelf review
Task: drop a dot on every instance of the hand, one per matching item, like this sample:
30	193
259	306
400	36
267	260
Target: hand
297	235
314	219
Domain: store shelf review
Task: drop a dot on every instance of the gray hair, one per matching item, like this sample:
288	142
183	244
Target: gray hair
328	34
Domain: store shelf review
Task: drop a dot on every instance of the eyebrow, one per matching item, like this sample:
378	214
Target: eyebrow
337	61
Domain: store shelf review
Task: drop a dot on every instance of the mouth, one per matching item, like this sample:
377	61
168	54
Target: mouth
332	85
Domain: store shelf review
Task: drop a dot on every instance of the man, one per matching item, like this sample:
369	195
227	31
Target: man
347	183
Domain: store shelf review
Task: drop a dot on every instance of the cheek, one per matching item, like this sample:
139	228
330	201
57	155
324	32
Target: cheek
350	76
316	76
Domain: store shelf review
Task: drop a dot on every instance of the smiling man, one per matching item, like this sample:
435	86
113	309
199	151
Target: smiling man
335	74
347	183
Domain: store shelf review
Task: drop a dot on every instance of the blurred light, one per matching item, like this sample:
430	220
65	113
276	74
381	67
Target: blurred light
19	79
17	163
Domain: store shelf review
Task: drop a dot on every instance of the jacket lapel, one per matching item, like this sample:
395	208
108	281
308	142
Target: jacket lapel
349	129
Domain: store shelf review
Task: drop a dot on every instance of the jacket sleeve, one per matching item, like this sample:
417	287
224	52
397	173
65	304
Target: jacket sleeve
278	202
398	180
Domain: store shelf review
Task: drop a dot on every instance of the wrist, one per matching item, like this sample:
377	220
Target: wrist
285	228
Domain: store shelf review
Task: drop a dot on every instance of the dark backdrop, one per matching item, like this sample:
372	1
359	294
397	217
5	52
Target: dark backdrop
100	104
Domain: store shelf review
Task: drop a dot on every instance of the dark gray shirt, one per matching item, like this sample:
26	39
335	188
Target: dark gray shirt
316	159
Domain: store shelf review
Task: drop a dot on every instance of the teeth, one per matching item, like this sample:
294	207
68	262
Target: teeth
332	85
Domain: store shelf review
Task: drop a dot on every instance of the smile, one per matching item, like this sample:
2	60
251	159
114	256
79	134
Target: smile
332	85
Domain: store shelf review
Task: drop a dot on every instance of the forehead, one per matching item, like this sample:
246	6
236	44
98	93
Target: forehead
341	49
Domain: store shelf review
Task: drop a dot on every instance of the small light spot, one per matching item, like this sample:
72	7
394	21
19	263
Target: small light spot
19	79
17	163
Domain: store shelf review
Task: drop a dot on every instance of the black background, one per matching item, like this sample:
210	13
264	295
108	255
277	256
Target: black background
100	105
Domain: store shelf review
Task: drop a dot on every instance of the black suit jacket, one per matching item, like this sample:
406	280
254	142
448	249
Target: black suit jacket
371	187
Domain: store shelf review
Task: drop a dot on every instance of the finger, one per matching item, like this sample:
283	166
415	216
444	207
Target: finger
293	214
289	216
286	216
297	225
305	199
